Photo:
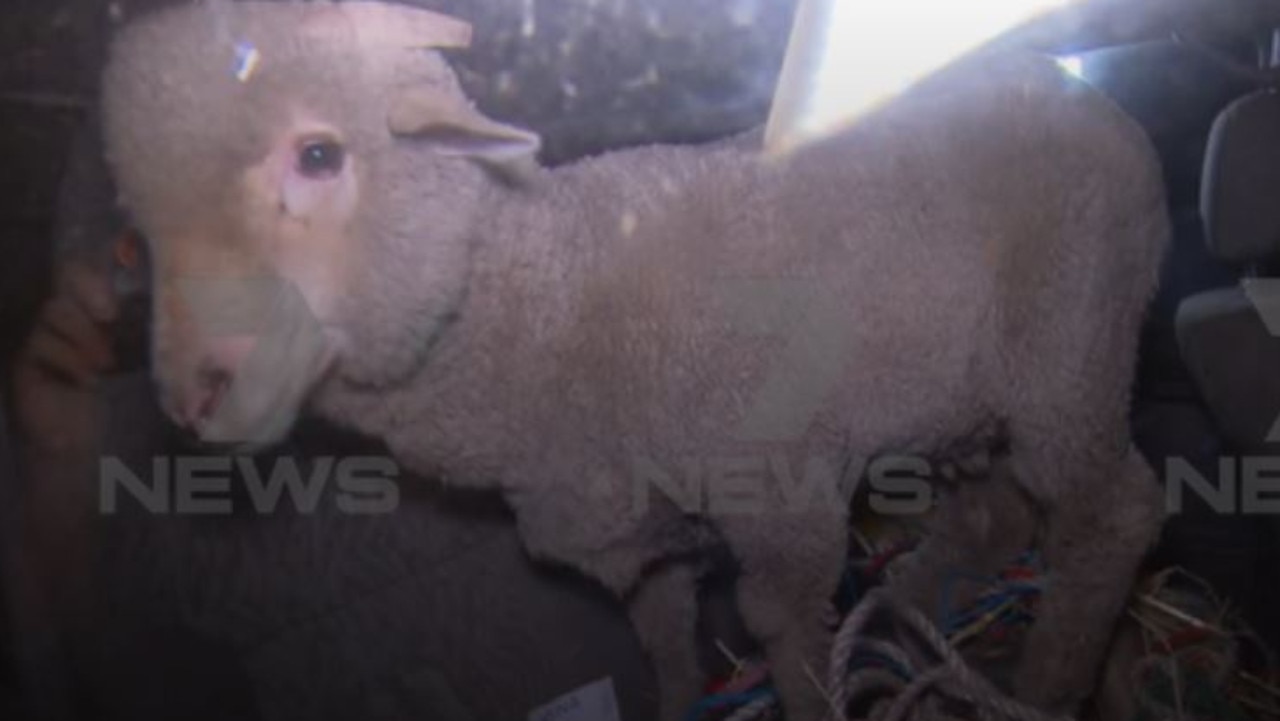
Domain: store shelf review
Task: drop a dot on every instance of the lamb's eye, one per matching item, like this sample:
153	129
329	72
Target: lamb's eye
320	158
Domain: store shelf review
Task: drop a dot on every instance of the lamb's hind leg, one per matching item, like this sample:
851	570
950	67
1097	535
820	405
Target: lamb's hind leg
790	564
1101	522
979	526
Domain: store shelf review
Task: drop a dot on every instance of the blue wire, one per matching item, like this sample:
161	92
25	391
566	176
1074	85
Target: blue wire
871	658
985	606
721	700
948	592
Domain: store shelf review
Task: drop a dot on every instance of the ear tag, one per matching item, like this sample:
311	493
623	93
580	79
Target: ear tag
247	60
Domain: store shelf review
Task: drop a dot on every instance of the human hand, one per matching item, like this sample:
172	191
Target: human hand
55	376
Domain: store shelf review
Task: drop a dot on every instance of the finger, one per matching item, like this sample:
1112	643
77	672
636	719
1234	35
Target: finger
90	286
53	354
70	321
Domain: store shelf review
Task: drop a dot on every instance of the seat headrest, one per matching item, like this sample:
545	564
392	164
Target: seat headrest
1240	189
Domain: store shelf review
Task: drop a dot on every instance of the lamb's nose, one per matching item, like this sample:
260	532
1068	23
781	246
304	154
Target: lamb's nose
217	371
207	395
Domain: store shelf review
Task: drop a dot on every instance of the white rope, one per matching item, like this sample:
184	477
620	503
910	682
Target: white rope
924	695
754	710
917	699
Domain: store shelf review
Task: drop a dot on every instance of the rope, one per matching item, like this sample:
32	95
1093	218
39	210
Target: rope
753	710
842	648
907	692
917	699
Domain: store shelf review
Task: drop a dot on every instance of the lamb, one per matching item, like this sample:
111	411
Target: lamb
662	350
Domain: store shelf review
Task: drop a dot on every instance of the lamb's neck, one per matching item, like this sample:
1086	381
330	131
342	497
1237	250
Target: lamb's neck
494	362
495	382
522	293
527	271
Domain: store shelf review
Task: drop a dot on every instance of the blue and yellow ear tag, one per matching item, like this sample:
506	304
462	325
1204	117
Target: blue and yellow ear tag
247	61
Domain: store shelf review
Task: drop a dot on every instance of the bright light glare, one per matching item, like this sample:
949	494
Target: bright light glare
1072	64
848	56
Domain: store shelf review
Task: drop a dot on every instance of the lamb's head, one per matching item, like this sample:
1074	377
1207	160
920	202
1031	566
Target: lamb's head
307	176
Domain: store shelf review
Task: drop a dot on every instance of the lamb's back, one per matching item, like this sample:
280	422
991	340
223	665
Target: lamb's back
912	248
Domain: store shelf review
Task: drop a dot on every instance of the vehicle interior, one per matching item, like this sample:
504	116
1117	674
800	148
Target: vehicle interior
1201	77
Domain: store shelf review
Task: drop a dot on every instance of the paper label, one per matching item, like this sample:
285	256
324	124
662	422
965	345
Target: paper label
593	702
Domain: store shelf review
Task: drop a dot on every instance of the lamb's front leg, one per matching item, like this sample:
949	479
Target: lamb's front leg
664	613
790	565
592	526
1098	532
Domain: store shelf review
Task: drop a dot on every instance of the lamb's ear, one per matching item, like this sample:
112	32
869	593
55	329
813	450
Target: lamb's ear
455	127
382	25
